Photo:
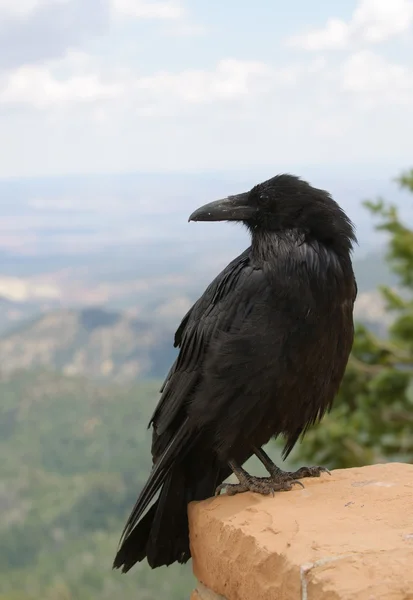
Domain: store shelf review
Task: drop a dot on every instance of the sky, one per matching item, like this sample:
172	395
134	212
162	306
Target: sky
107	86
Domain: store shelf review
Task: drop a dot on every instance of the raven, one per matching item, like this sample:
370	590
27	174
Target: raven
262	354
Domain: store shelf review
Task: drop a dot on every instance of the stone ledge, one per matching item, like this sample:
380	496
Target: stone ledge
344	537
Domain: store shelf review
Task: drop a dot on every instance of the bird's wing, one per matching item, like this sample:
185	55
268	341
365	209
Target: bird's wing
232	291
211	314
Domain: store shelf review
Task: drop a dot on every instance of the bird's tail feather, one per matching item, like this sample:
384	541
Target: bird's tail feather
133	547
156	478
169	536
162	533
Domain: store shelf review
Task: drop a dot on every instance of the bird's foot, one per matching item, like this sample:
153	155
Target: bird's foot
279	475
259	485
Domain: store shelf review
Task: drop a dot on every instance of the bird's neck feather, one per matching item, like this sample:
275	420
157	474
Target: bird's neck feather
266	244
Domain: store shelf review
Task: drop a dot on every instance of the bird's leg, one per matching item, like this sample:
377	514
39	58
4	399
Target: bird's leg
279	475
250	483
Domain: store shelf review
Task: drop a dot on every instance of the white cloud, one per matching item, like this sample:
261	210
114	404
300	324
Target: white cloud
172	12
35	31
372	22
87	113
35	86
368	73
38	87
23	8
147	9
378	20
334	35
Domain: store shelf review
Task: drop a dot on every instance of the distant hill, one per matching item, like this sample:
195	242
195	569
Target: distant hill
117	346
12	312
94	342
74	457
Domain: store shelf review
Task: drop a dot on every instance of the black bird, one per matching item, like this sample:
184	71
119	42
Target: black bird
262	354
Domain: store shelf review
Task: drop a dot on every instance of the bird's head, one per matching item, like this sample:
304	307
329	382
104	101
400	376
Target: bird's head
283	203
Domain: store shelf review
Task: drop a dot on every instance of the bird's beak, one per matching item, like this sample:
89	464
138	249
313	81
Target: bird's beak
233	208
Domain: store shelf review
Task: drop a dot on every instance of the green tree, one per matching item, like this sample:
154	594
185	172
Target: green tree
372	420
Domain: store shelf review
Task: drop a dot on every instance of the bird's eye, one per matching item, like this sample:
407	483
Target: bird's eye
264	198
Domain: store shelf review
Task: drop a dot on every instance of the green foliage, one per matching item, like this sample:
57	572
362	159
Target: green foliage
372	420
74	456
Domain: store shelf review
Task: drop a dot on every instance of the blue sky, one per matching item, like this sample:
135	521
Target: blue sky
90	86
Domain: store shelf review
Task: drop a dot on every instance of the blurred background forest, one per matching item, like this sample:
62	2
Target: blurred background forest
117	119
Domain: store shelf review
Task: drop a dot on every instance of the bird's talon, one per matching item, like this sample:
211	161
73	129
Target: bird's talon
305	472
296	482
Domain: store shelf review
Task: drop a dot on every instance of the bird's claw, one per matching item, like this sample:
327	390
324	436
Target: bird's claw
308	472
259	485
